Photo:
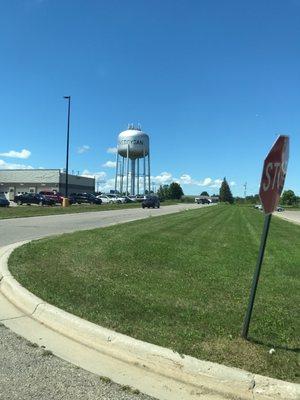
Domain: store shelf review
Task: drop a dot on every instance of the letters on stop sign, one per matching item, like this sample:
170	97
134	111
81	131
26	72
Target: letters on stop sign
274	172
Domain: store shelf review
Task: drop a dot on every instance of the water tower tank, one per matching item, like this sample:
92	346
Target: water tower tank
135	142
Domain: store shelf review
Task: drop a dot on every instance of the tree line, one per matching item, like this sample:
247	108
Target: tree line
174	192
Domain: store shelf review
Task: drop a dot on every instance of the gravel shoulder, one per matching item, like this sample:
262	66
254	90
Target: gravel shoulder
29	372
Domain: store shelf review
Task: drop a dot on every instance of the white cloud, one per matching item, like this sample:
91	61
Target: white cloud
106	186
206	182
232	183
5	165
101	175
109	164
111	150
83	149
103	184
216	183
17	154
186	179
164	178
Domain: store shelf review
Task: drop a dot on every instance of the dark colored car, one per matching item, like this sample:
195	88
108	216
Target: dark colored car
3	201
203	201
56	197
84	198
33	198
151	202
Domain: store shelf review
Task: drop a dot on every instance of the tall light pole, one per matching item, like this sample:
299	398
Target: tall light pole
68	141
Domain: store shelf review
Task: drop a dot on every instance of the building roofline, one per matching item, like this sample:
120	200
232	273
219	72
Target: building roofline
30	169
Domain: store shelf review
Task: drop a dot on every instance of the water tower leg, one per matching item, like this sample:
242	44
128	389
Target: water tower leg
144	159
138	176
117	167
122	175
132	186
127	171
149	187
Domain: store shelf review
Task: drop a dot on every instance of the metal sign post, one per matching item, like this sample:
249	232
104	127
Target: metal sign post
256	275
272	181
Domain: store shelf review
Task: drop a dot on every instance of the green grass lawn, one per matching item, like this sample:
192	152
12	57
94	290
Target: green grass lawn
181	281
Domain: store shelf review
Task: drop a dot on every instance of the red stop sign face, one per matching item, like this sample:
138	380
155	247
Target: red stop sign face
273	176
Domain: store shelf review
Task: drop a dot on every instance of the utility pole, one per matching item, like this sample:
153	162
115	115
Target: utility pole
68	145
245	189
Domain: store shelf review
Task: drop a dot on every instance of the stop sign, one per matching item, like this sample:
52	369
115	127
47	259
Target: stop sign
273	175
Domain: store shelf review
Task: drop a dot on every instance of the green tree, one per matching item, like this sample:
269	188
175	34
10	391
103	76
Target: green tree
253	199
175	191
204	194
289	197
225	192
163	192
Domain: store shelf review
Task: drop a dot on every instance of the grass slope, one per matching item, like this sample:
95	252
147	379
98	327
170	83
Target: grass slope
181	281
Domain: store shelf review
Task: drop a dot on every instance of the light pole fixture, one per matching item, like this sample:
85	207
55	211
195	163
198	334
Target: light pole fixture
68	141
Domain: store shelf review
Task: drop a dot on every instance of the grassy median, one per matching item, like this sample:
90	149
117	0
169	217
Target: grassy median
181	281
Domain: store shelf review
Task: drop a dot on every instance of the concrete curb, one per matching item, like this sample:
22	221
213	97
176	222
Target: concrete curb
194	375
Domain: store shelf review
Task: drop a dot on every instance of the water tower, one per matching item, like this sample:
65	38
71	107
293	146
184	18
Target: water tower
133	175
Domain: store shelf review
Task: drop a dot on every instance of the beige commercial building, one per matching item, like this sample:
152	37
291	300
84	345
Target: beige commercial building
17	181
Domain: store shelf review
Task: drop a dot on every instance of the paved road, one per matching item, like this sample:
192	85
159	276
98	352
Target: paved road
17	229
293	216
27	372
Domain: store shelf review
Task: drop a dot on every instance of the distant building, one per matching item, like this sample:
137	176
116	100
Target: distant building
17	181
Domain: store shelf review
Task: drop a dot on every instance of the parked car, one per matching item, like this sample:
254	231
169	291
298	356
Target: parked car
129	199
151	201
84	198
140	198
258	206
279	209
33	198
203	201
56	197
105	199
132	198
115	198
3	200
123	199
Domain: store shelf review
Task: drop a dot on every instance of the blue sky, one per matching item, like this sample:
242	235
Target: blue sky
211	82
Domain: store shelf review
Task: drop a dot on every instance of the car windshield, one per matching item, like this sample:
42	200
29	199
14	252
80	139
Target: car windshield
2	196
